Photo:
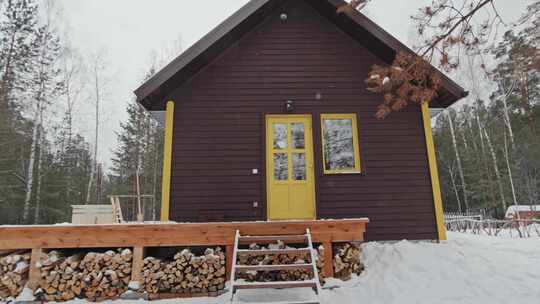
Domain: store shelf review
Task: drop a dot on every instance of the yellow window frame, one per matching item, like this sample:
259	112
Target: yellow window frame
357	167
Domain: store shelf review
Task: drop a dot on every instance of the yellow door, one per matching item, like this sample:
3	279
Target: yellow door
289	167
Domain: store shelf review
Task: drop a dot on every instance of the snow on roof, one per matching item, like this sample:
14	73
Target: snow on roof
521	208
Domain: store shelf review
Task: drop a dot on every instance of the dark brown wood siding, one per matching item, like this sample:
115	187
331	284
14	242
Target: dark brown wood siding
220	119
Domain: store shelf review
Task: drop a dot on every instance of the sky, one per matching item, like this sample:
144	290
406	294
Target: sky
133	34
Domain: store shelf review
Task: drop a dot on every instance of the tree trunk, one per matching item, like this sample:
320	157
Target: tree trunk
525	101
489	194
506	154
456	192
458	160
96	135
31	162
507	121
37	209
496	168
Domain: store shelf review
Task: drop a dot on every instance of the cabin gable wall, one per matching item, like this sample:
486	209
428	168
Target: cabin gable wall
219	130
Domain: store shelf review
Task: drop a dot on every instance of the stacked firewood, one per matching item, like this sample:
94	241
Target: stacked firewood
186	273
95	276
14	269
275	259
347	261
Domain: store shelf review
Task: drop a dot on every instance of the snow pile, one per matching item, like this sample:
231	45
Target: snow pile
26	295
465	269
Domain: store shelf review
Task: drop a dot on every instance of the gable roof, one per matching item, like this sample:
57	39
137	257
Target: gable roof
153	92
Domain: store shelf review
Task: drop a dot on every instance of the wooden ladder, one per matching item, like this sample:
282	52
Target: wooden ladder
314	283
117	209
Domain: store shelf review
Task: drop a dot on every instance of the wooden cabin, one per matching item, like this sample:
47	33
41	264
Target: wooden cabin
268	118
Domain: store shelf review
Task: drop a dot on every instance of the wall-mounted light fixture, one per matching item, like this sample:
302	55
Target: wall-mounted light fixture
289	106
283	17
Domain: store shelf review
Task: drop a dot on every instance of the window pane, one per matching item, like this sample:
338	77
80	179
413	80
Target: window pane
338	144
297	130
299	166
281	166
280	136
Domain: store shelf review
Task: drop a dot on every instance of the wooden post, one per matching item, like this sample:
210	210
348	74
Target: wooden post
167	162
35	273
328	269
229	251
434	173
137	264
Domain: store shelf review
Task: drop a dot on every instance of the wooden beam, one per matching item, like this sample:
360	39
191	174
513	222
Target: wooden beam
192	234
328	269
35	274
434	173
167	162
229	251
137	264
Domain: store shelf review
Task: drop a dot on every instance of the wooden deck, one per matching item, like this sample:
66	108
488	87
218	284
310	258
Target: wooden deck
140	236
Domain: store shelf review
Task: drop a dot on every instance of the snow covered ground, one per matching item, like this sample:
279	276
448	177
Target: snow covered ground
465	269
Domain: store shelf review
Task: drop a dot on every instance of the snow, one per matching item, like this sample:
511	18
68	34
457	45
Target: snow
26	295
466	269
133	285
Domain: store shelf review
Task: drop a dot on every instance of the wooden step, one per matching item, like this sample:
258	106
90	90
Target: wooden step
265	239
284	284
244	268
273	251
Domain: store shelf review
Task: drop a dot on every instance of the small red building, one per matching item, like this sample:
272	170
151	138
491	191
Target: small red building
523	212
268	118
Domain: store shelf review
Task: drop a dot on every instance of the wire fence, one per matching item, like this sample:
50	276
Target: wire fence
511	228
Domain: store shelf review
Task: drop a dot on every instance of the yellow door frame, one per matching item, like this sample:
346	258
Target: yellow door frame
434	172
310	168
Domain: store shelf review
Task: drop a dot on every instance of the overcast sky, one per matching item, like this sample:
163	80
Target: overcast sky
132	32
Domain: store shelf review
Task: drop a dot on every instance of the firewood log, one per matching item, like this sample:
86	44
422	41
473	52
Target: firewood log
95	276
14	268
186	273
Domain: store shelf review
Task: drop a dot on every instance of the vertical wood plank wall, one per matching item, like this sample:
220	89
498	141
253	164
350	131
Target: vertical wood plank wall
219	130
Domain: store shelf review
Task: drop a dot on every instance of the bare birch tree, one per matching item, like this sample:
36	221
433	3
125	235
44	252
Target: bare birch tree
507	157
458	160
98	67
496	168
37	208
31	162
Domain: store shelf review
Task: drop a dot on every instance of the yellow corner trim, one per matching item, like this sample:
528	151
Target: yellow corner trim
357	167
434	172
167	162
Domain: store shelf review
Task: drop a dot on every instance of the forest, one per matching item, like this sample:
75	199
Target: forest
46	165
488	145
488	148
